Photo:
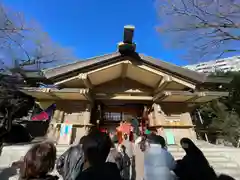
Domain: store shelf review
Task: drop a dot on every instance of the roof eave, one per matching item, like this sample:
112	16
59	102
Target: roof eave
192	76
69	68
172	68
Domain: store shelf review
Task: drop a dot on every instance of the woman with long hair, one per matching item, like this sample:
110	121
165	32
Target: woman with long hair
39	162
194	165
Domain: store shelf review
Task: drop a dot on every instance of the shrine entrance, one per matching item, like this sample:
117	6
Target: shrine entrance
114	112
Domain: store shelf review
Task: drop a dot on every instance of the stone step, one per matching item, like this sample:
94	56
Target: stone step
230	171
215	160
217	165
60	149
210	158
182	153
206	149
171	149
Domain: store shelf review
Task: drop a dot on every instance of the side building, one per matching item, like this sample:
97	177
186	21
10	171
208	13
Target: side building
104	90
224	65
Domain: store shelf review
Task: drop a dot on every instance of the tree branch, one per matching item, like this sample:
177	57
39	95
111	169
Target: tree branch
211	23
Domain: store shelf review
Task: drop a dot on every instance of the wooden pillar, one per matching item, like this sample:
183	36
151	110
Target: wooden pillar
87	114
144	119
157	117
83	129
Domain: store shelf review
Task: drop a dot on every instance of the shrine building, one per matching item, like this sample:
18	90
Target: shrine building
116	86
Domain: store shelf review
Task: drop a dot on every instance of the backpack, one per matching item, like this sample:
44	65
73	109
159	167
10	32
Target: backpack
70	163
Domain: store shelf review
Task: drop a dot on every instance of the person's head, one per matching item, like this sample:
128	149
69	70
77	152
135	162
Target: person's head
93	130
155	139
125	136
194	152
154	131
39	161
122	149
96	147
188	145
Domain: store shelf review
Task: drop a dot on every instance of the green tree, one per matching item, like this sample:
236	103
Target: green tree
223	114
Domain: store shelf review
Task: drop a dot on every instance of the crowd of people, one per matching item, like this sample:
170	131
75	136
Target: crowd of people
97	157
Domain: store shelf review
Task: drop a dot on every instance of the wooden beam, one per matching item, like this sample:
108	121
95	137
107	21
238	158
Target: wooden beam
163	83
128	91
178	80
66	80
195	95
86	80
71	90
88	97
61	94
108	66
124	70
81	76
46	92
199	95
161	95
118	97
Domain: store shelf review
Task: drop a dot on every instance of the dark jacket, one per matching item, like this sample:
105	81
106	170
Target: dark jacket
70	163
125	166
47	177
106	171
187	169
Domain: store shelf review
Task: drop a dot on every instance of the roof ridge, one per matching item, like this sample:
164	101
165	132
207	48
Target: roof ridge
78	61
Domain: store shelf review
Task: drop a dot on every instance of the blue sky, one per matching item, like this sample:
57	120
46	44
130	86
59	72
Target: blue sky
94	27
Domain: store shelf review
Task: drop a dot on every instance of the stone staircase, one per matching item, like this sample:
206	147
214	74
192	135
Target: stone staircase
225	160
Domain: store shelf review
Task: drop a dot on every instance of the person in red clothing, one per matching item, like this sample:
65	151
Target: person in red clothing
131	136
120	137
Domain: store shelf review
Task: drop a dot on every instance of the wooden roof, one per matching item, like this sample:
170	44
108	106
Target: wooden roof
68	69
126	51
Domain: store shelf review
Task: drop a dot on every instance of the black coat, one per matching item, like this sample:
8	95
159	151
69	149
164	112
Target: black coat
194	165
47	177
70	163
106	171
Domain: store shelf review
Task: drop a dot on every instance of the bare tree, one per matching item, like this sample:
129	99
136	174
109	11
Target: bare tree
206	28
23	46
26	45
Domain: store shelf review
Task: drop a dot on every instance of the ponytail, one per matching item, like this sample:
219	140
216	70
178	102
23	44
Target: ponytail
143	143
